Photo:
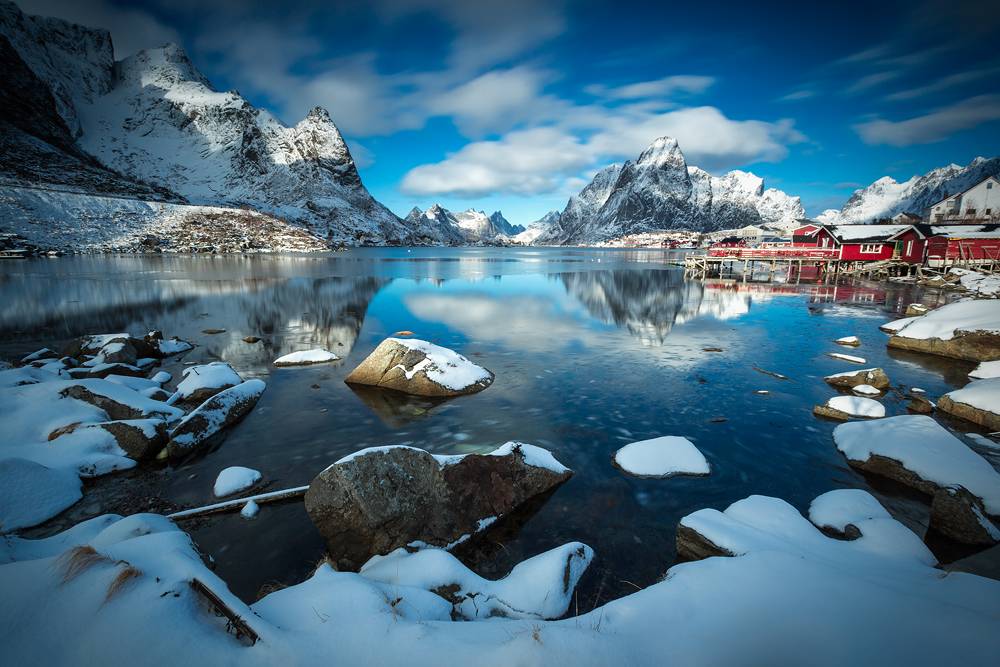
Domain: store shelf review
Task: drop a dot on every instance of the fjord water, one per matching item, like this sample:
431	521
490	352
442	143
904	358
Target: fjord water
592	349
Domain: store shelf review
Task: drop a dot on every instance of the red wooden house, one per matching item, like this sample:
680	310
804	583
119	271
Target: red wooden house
731	242
971	245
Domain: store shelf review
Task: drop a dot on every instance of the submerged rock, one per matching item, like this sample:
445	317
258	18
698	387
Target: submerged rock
380	499
418	367
222	410
960	515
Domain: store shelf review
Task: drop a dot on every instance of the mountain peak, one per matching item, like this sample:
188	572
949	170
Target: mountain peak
166	67
664	152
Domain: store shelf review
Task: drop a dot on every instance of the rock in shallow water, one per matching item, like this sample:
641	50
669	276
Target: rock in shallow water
960	515
215	414
418	367
381	499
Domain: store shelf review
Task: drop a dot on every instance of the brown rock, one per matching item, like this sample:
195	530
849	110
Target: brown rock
893	469
920	405
388	365
917	309
115	410
968	345
380	500
831	413
876	377
251	339
217	413
960	515
991	420
692	545
141	439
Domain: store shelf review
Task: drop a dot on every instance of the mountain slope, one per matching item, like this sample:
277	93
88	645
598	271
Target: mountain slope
439	225
886	197
538	227
660	191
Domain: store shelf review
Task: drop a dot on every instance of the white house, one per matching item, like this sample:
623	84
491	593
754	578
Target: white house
979	203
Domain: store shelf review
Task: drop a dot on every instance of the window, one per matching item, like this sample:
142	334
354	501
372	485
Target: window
871	248
989	186
909	247
988	211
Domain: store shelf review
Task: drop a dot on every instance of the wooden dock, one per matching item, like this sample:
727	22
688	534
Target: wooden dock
822	262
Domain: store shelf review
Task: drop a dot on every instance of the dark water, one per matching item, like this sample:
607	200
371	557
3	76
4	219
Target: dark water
591	350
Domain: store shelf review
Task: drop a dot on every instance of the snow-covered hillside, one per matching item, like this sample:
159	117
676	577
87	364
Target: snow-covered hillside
536	228
886	197
439	225
660	191
153	127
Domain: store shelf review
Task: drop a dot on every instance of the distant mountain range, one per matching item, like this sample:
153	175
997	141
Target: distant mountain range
660	191
885	197
438	224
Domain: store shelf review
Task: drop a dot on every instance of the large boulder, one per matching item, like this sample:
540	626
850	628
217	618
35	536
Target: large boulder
140	438
968	329
960	515
217	413
381	499
977	402
418	367
875	377
202	382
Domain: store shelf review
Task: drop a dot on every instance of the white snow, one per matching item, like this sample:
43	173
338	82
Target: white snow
846	357
896	325
918	390
233	480
533	455
250	510
835	509
848	340
978	283
865	390
983	440
538	588
306	357
35	355
850	373
216	375
985	370
857	406
662	457
30	493
982	394
443	366
173	346
225	400
943	323
927	449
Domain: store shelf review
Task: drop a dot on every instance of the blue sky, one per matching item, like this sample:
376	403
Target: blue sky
514	105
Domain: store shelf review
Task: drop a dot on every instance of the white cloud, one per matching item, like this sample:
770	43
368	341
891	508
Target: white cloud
936	126
132	30
870	81
665	87
942	84
798	95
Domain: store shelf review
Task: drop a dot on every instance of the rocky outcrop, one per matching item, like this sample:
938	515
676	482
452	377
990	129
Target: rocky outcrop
692	545
977	415
418	367
920	405
875	377
960	515
141	439
382	499
217	413
968	345
831	413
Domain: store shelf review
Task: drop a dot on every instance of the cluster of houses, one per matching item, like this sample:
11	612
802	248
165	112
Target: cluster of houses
959	230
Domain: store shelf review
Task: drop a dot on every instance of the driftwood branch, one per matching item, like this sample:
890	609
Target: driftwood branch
243	631
238	504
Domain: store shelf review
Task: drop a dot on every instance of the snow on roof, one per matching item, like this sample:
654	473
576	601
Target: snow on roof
925	448
862	233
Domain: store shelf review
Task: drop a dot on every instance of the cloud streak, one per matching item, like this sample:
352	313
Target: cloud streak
935	126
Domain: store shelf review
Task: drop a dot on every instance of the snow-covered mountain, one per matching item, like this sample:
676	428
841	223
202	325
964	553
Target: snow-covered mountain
660	191
439	225
886	197
153	126
536	228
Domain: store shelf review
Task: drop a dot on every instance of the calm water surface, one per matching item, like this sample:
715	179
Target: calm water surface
592	349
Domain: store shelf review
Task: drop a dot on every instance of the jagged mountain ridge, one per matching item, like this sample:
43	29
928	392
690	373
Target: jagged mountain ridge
438	224
153	126
660	191
886	197
536	228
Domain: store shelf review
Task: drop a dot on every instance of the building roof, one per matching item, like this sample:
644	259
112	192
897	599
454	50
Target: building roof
864	233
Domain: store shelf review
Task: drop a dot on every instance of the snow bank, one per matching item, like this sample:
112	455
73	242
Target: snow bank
203	380
662	457
857	406
985	370
30	493
835	509
925	448
306	357
233	480
946	321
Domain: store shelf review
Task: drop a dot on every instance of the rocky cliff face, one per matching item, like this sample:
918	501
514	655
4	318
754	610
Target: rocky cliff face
660	191
886	197
538	227
153	126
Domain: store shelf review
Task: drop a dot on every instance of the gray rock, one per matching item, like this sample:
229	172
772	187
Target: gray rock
391	362
876	377
960	515
381	500
140	438
115	410
211	417
692	545
831	413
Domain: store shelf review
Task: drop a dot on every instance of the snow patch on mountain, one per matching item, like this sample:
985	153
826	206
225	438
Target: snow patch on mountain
439	225
537	228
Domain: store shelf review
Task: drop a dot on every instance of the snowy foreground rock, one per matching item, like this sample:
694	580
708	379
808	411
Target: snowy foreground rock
917	451
380	499
874	377
202	382
418	367
794	597
217	413
661	458
306	358
978	402
967	330
844	407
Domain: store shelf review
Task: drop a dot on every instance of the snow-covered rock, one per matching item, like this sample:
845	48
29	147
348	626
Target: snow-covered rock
836	510
31	493
663	457
852	341
219	412
977	402
986	370
204	381
846	357
960	515
418	367
306	358
968	329
660	191
874	377
856	406
865	390
233	480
